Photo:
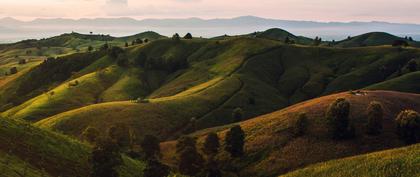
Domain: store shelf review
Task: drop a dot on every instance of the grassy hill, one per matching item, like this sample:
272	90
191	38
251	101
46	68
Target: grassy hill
281	35
36	152
396	162
271	149
373	39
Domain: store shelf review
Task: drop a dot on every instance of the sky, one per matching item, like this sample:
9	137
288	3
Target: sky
403	11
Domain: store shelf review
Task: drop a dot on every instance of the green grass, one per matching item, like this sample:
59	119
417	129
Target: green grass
403	162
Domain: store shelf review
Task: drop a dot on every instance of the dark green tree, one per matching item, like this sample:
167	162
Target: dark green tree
155	168
120	133
301	125
90	48
338	119
176	37
375	115
188	36
235	141
150	146
126	44
237	114
211	144
190	161
408	126
105	158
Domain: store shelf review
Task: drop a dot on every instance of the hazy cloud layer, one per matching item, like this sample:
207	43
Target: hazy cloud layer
319	10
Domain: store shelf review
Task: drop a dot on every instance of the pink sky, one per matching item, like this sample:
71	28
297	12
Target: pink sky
316	10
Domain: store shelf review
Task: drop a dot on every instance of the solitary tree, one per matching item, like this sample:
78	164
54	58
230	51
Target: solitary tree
13	70
90	134
375	114
301	125
188	36
190	161
408	126
150	146
126	44
338	119
176	37
154	168
211	144
237	115
234	141
412	65
105	158
90	48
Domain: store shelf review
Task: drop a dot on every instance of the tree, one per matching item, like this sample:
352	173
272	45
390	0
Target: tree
234	141
301	125
126	44
176	37
90	48
338	119
237	115
154	168
375	114
120	133
22	61
184	142
150	146
317	41
211	144
105	158
190	161
146	40
408	126
188	36
90	134
139	41
412	65
287	40
13	70
410	39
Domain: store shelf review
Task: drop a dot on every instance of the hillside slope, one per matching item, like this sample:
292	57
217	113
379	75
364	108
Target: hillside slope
373	39
271	149
403	162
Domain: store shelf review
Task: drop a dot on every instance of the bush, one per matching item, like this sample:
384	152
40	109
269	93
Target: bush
338	119
374	117
188	36
408	126
237	115
301	125
211	144
13	70
412	65
235	141
105	158
176	37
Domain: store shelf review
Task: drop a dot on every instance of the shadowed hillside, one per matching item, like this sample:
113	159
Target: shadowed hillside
374	39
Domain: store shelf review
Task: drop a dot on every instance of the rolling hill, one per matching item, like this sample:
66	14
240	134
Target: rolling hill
271	149
396	162
373	39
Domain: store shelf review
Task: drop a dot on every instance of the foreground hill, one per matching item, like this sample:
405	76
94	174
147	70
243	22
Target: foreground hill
29	151
402	162
271	149
373	39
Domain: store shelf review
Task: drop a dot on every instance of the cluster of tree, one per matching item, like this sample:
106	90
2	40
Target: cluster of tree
138	41
176	36
408	121
289	41
192	163
408	38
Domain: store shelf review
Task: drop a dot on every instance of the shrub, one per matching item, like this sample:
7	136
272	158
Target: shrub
301	125
150	146
211	144
408	126
237	115
374	117
90	48
412	65
235	141
90	134
176	37
338	119
190	161
13	70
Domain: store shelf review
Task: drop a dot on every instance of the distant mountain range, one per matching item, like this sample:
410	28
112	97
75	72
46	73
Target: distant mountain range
13	30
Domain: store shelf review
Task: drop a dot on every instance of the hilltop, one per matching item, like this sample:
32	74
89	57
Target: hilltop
374	39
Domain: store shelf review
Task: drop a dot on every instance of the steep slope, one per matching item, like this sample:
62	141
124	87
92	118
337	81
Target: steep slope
373	39
402	162
46	153
271	149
